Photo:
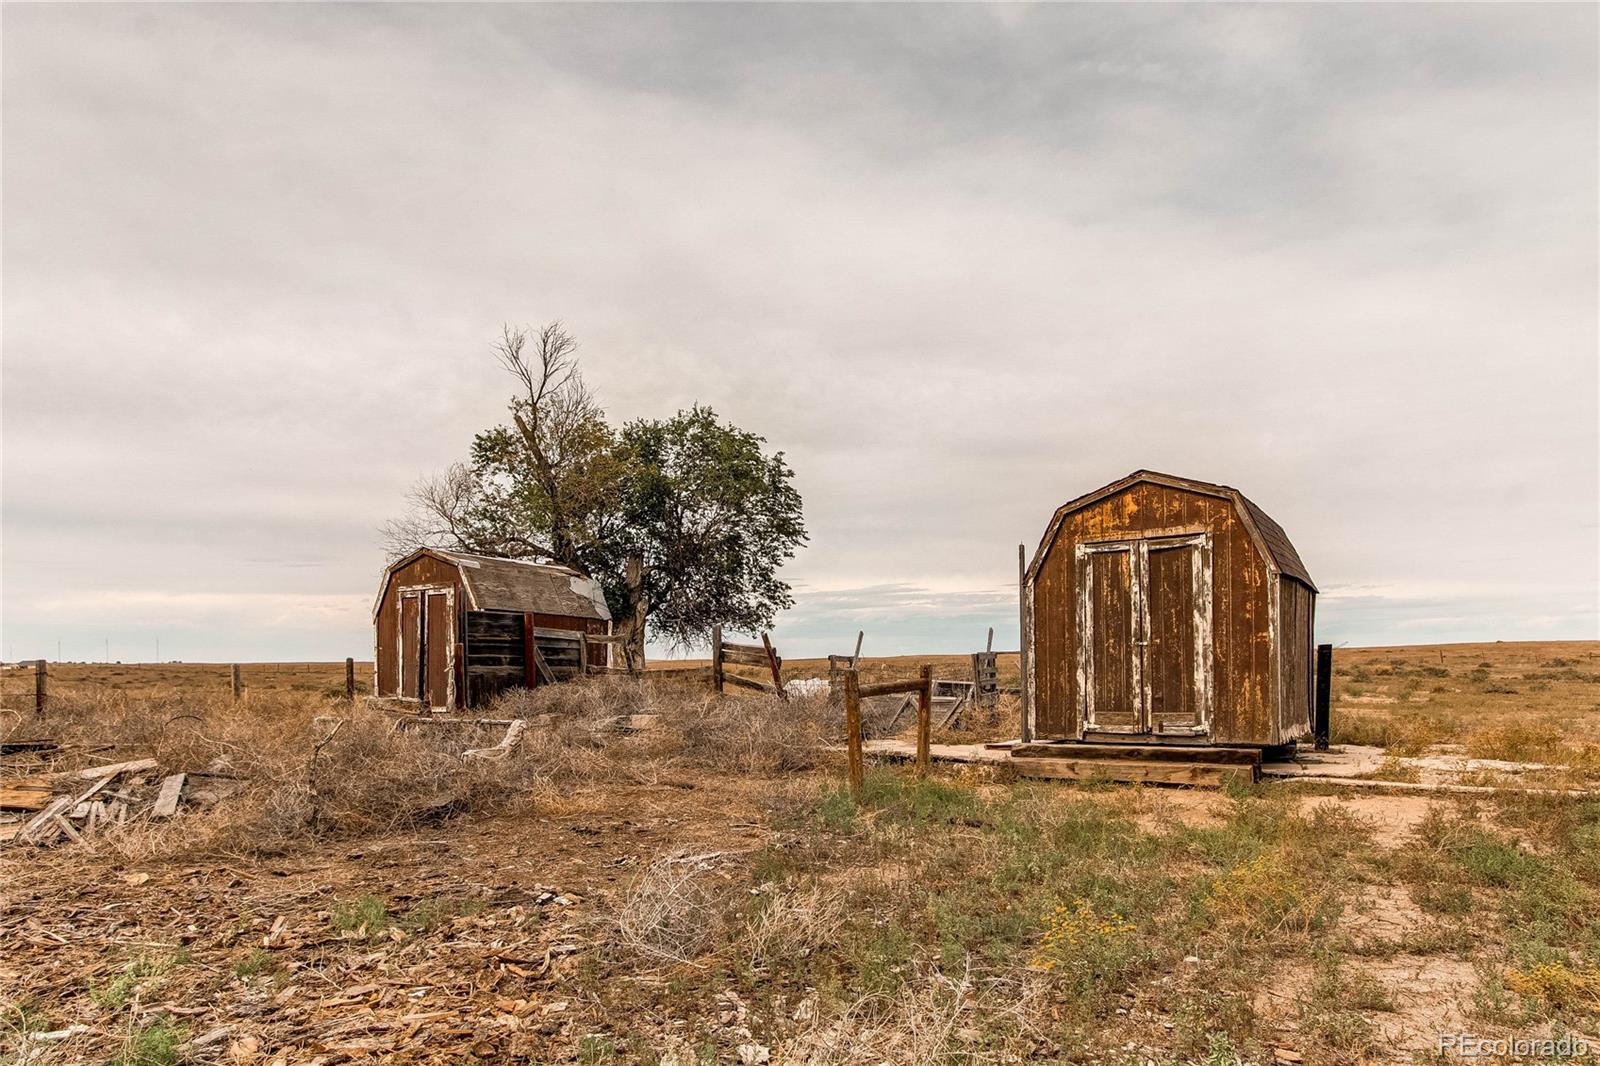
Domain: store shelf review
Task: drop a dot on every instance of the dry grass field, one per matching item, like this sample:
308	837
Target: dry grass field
705	891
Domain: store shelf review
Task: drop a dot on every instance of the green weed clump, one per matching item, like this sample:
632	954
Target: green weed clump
367	916
156	1043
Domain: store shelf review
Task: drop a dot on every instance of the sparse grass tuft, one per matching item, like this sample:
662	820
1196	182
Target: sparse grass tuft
366	916
155	1043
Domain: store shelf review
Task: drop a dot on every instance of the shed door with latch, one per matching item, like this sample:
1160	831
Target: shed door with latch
1108	632
410	646
1175	684
439	640
1144	625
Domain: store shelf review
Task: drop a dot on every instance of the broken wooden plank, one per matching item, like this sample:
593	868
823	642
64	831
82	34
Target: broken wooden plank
18	747
745	682
88	794
26	794
513	735
67	828
889	688
167	798
113	769
744	654
483	723
45	819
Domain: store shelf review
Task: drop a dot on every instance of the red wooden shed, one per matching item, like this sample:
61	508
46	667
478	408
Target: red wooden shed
451	629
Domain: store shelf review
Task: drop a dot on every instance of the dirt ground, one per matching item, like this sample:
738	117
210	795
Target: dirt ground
489	982
685	897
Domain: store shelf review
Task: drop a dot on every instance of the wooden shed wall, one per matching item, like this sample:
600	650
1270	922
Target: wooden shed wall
425	570
1245	690
1297	657
495	649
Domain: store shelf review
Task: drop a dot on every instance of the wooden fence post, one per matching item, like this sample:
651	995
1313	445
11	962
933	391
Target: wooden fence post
716	658
924	719
350	679
1319	718
1026	730
41	686
777	667
236	686
855	657
852	727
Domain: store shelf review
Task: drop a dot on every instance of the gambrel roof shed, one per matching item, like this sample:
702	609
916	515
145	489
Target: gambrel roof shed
496	584
1273	541
1167	608
451	629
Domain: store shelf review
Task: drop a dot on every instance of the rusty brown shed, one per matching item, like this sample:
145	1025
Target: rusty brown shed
452	629
1161	608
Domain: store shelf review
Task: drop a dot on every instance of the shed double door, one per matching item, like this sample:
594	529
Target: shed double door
1144	636
427	646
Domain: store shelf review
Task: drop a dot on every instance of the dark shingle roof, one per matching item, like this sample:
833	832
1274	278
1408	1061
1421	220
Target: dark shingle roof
1277	541
495	584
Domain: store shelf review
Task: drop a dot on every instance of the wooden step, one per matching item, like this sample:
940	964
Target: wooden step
1213	774
1178	753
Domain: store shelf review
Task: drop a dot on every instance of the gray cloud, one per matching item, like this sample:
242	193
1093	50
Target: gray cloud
961	262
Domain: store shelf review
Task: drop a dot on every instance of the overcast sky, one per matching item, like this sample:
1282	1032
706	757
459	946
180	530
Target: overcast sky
960	263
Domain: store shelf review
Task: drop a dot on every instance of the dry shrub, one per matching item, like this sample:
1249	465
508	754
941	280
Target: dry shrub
791	924
746	733
369	777
581	711
676	911
917	1023
1266	895
1518	742
754	734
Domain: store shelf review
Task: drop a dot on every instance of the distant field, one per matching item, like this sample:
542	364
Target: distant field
185	678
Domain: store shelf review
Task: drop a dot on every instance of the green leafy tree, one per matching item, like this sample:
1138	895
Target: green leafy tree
712	516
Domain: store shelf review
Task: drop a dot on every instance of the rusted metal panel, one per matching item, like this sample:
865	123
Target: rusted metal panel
1182	587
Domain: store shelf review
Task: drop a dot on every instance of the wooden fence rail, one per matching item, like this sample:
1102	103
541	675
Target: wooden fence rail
855	692
725	652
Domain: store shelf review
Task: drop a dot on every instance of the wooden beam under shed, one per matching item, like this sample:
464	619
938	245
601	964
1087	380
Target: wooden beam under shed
1214	775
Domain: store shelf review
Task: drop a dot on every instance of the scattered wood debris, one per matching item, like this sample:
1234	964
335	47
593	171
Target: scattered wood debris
64	807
